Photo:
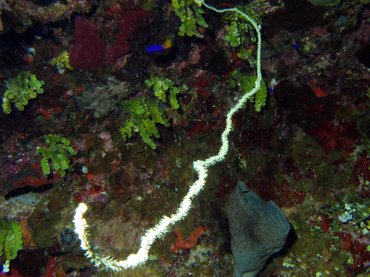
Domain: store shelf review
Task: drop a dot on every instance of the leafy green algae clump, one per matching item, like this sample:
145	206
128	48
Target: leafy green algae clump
165	89
10	241
144	115
240	35
62	62
191	16
20	90
57	154
245	84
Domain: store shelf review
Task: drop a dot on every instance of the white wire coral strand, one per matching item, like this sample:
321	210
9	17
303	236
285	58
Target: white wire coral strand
200	166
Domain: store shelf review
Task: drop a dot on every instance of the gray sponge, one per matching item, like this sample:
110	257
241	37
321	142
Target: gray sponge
258	229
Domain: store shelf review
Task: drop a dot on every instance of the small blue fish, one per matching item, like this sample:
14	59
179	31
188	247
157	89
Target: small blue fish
296	45
157	48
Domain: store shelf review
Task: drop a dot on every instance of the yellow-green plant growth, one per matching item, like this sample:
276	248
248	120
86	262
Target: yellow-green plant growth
240	35
245	83
56	155
61	62
144	114
20	90
10	241
190	14
165	90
